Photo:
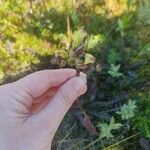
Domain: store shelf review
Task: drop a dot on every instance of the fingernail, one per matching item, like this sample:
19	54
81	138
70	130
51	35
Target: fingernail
80	85
83	76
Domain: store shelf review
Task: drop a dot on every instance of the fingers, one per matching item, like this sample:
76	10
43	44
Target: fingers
39	82
52	114
41	101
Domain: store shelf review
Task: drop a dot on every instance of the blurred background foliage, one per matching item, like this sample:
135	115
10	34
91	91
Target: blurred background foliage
118	36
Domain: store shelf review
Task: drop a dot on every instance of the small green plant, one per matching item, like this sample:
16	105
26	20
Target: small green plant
114	71
106	128
76	57
124	23
145	50
113	56
142	123
143	11
93	40
127	110
141	120
77	37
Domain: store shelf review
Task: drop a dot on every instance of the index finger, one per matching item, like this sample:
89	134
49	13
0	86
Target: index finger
39	82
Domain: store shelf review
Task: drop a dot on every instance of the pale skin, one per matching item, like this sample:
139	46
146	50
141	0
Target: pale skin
32	108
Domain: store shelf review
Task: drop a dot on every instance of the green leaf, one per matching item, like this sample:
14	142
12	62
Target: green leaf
120	23
141	120
127	110
113	56
130	2
114	125
89	59
144	11
78	37
107	128
114	71
145	50
93	40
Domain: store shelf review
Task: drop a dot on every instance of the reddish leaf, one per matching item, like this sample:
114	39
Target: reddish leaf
85	119
89	125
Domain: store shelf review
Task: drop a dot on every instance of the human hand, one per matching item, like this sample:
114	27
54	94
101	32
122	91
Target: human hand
32	108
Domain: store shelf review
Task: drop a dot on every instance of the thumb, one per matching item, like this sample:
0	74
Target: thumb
52	114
